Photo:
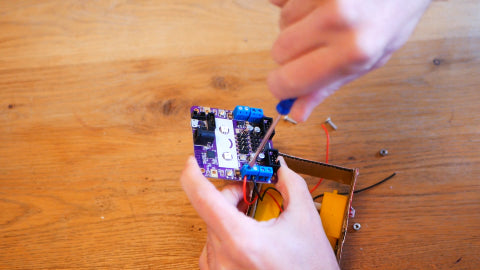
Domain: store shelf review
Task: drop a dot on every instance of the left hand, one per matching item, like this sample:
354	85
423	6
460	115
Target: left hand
294	240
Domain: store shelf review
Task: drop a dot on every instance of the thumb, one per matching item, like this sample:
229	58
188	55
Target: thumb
218	210
294	190
233	193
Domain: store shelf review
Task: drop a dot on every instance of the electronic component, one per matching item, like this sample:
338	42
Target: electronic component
255	139
257	173
270	159
264	174
203	137
211	154
225	140
199	115
194	123
213	173
266	122
250	172
241	112
243	144
255	115
211	121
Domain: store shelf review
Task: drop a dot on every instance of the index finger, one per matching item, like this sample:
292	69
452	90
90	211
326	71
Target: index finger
220	214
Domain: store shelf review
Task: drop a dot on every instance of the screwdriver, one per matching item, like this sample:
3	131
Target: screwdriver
283	108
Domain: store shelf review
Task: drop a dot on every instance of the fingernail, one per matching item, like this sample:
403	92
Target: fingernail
282	161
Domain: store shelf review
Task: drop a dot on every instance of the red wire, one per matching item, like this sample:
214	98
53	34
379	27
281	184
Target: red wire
245	192
276	202
256	197
326	158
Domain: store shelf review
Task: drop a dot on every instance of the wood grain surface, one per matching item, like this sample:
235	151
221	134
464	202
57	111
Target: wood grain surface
94	132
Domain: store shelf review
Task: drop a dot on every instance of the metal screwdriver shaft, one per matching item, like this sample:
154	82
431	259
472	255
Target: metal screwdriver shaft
264	140
283	108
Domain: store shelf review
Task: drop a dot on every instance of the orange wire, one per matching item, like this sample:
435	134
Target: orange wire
245	192
326	158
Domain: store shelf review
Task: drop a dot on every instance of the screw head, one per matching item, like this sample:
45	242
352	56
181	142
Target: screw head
286	118
329	122
383	152
437	61
357	226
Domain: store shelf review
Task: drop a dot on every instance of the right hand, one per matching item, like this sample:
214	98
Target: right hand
324	44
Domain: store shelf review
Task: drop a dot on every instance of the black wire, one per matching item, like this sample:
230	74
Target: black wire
252	200
270	188
255	190
376	184
363	189
260	196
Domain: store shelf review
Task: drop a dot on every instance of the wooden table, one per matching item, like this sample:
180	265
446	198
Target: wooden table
94	132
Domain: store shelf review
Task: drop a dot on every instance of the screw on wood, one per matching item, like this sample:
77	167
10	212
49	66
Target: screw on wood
383	152
329	121
286	118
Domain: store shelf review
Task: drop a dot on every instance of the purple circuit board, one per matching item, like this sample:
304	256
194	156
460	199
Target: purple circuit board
222	144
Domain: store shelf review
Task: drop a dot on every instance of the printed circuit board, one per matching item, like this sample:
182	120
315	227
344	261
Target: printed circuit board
226	140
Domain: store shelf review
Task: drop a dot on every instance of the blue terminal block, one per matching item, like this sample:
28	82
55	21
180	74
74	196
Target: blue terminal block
255	115
265	174
250	172
257	173
241	113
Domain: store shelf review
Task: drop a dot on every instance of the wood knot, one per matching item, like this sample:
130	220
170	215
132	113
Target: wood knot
166	107
11	106
223	83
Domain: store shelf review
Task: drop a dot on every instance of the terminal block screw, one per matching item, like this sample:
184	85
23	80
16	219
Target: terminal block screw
329	121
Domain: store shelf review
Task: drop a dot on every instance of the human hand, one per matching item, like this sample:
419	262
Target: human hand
324	44
294	240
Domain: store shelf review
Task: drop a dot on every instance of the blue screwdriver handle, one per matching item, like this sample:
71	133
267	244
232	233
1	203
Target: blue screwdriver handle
284	106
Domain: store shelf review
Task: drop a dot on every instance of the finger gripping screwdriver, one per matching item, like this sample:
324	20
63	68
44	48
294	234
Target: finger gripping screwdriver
283	108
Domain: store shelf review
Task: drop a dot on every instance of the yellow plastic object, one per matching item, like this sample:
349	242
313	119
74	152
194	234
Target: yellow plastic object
267	209
332	212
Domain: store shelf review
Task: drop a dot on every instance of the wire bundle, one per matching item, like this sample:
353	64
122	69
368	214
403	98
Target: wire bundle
258	195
